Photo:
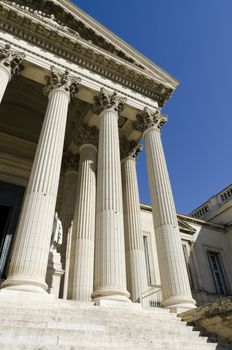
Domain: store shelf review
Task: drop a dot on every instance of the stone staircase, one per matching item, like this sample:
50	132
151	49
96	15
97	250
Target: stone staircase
32	323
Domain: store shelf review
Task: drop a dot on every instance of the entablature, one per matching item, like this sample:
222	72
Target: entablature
54	36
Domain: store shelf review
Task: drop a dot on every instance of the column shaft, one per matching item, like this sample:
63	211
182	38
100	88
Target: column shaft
10	64
135	257
66	216
5	76
110	272
83	232
173	273
30	256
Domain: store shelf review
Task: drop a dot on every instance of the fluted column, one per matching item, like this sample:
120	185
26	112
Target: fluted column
10	64
82	252
70	166
110	270
173	273
30	254
135	257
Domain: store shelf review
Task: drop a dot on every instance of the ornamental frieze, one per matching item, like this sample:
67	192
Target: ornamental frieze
57	16
68	45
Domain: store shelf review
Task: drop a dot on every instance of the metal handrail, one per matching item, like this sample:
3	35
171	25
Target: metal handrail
156	301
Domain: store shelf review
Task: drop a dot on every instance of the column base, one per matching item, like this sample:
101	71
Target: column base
108	295
117	304
7	294
179	304
25	286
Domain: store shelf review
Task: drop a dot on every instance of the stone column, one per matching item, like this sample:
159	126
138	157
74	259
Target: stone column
110	269
82	252
173	273
30	254
135	256
70	167
10	64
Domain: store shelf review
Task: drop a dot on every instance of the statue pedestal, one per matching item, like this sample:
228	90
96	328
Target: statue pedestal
54	273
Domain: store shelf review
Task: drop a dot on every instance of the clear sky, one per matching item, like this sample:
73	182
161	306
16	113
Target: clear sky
191	40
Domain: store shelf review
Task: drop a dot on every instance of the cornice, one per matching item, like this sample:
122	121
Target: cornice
114	39
60	41
186	218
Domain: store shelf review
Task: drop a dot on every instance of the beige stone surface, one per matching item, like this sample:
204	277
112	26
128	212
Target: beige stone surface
83	231
135	257
173	274
215	318
50	324
110	266
29	259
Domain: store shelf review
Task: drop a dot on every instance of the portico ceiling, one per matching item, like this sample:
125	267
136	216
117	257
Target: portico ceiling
23	109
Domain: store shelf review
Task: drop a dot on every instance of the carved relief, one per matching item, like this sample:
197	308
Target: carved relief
57	16
148	119
108	100
129	149
11	59
70	161
134	153
86	134
64	80
68	44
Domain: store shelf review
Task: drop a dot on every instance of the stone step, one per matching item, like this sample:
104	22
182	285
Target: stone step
81	338
94	342
107	347
67	325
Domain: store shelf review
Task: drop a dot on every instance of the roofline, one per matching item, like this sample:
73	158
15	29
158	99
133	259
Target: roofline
214	195
190	219
120	42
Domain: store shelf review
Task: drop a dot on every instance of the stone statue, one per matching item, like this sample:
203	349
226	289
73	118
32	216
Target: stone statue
57	234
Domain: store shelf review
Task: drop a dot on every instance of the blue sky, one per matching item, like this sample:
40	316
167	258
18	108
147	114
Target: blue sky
191	40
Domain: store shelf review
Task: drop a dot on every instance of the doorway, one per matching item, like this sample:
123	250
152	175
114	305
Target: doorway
11	197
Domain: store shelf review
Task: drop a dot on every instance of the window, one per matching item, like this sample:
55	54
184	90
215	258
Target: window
147	260
218	272
184	246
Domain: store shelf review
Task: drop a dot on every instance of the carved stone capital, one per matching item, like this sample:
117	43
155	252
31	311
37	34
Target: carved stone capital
130	149
108	100
86	135
70	161
63	80
133	153
148	119
11	59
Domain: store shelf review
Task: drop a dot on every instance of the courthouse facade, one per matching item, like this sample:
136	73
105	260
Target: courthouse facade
76	101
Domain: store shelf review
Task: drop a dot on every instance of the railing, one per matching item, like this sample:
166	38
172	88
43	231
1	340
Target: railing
225	195
213	203
152	298
201	211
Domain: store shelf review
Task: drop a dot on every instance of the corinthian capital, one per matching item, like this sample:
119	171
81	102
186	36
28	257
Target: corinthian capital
86	135
130	149
70	161
148	119
63	80
108	100
11	59
134	152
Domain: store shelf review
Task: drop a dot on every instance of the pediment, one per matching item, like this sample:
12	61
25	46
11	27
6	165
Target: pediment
185	228
65	17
